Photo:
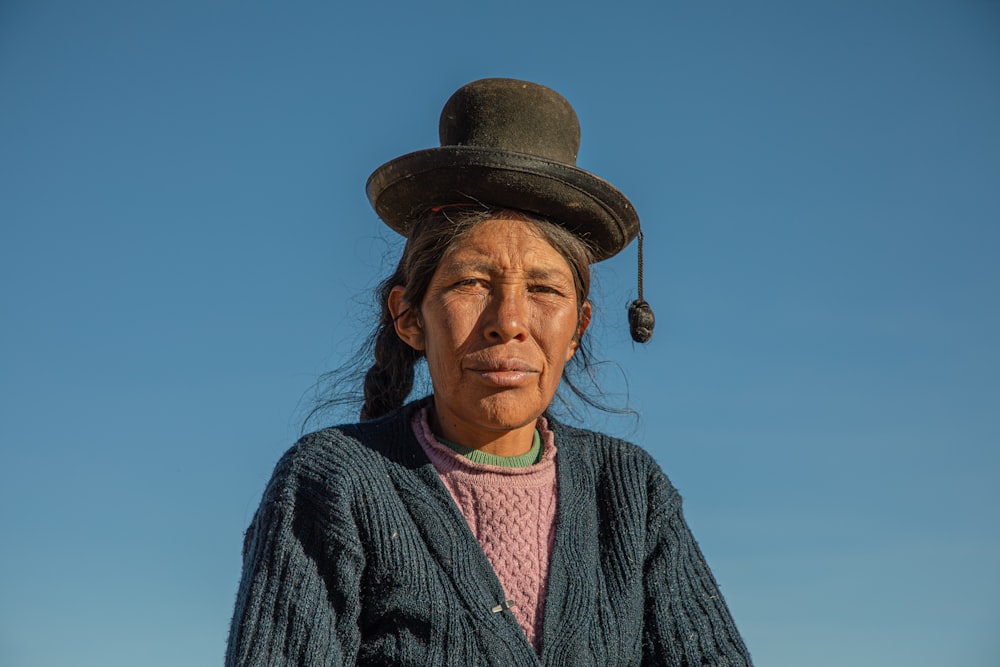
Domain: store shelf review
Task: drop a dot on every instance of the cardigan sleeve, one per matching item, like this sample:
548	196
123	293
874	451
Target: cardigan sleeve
687	622
299	600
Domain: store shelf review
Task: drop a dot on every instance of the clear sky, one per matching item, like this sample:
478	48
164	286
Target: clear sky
185	246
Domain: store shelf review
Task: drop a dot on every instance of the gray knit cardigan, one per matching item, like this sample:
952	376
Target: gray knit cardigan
359	556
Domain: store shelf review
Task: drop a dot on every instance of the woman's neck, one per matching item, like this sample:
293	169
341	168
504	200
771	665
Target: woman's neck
510	442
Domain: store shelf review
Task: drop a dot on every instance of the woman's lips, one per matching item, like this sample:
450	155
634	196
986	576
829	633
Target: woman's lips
504	374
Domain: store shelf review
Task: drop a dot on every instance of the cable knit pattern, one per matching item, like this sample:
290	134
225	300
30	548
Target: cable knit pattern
511	512
358	555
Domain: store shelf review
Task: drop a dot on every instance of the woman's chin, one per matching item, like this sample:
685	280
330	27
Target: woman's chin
502	409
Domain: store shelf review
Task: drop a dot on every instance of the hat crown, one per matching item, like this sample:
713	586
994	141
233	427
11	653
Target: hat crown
512	115
506	144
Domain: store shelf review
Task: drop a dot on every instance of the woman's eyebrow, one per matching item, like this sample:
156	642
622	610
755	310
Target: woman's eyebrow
543	273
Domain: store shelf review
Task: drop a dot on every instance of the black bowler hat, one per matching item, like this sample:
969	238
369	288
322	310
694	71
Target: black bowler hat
510	144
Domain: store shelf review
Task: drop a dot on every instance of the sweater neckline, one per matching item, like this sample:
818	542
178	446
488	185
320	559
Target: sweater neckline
446	460
530	457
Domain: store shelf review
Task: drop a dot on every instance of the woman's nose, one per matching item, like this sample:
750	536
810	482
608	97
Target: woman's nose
507	316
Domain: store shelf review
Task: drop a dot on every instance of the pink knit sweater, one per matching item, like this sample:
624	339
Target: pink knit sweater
511	511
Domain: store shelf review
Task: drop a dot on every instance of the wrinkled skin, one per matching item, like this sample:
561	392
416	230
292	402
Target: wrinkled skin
498	323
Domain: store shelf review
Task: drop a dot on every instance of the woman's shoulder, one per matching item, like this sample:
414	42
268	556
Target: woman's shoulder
581	442
617	467
346	451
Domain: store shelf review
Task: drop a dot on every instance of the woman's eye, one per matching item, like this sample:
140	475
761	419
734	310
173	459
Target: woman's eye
543	289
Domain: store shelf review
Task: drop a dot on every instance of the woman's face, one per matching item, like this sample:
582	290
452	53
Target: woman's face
499	321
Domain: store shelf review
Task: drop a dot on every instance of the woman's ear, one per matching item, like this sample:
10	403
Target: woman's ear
405	319
581	327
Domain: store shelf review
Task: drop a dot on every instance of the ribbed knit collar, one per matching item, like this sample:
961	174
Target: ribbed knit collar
530	457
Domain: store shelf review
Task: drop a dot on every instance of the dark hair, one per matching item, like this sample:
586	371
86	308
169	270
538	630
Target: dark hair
389	379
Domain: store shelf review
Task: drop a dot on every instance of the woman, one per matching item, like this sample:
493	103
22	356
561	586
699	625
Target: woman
469	528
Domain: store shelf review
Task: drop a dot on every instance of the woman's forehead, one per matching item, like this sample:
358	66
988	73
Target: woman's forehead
505	244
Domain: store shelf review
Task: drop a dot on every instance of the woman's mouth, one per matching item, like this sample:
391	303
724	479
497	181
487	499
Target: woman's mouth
504	374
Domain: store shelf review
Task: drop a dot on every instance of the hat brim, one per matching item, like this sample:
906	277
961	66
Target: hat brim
586	205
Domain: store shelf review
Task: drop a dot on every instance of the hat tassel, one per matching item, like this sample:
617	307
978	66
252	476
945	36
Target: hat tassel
640	315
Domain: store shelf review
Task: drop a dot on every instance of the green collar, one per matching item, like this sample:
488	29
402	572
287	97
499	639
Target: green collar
530	457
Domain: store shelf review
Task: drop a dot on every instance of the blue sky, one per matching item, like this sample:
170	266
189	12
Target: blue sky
185	246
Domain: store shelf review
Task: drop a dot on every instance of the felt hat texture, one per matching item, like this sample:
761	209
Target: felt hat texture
511	144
